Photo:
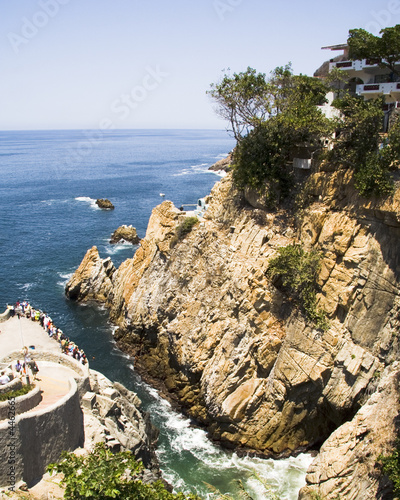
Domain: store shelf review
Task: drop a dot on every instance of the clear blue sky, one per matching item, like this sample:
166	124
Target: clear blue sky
148	63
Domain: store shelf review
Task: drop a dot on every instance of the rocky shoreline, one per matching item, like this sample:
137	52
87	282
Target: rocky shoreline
201	316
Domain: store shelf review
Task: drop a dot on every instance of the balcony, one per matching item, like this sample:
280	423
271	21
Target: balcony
367	65
375	89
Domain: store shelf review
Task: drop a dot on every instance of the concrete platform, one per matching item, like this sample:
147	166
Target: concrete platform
16	333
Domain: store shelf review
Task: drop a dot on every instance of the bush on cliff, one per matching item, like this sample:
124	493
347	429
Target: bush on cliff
391	467
183	229
359	144
295	271
105	475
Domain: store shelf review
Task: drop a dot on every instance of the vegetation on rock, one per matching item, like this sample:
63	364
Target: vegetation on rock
359	144
105	475
187	225
272	118
391	467
296	272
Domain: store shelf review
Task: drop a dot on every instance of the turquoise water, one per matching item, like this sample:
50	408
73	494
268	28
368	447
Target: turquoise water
48	220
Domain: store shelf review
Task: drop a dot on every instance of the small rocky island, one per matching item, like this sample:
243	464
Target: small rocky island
125	233
105	204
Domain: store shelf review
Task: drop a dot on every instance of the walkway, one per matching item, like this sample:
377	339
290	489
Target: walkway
53	378
16	333
53	382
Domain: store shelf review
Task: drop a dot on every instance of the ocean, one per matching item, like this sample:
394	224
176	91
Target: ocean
48	220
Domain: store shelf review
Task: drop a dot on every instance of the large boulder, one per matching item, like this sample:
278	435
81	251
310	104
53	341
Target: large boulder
125	233
104	204
93	279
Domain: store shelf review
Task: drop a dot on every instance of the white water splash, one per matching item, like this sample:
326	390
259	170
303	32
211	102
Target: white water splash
90	201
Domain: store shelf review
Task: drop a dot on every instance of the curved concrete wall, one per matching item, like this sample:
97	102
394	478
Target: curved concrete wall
5	315
14	385
29	442
22	403
82	371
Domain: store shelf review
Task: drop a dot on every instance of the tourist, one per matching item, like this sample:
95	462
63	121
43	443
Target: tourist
27	359
18	367
67	347
4	378
34	369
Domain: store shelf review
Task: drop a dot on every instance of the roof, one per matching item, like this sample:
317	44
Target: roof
341	46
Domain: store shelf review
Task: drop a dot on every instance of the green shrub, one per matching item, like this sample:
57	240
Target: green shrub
359	145
391	467
105	475
296	271
187	225
19	392
374	177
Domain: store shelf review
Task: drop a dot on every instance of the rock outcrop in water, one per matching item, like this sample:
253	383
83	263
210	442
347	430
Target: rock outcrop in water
203	319
125	233
105	204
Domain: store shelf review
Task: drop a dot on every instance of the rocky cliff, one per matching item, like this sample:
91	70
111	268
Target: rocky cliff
203	319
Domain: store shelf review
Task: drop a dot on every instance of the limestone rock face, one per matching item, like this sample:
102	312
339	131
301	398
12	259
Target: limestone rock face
224	164
117	420
93	278
125	233
346	464
105	204
204	320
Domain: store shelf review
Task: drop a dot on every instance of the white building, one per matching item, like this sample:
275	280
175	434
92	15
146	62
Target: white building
367	78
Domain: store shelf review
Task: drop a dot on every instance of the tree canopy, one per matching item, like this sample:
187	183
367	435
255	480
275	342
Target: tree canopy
248	99
294	120
242	99
385	50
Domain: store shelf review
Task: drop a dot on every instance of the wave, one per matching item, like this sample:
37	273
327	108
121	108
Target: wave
190	444
53	201
118	247
202	168
87	199
65	278
219	173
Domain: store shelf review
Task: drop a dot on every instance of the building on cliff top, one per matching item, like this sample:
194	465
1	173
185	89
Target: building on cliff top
366	78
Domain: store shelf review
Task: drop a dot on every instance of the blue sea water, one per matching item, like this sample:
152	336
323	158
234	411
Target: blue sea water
48	219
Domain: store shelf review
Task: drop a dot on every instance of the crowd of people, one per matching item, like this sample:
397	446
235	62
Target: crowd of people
24	309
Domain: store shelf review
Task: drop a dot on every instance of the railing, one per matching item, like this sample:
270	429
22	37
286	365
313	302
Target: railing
387	88
344	64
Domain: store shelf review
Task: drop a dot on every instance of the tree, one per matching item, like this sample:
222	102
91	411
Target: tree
102	475
384	50
242	99
248	99
261	158
359	144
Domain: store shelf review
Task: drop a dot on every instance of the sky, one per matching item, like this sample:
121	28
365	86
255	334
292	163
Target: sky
126	64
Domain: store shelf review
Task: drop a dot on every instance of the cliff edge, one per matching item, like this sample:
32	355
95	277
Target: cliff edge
203	319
